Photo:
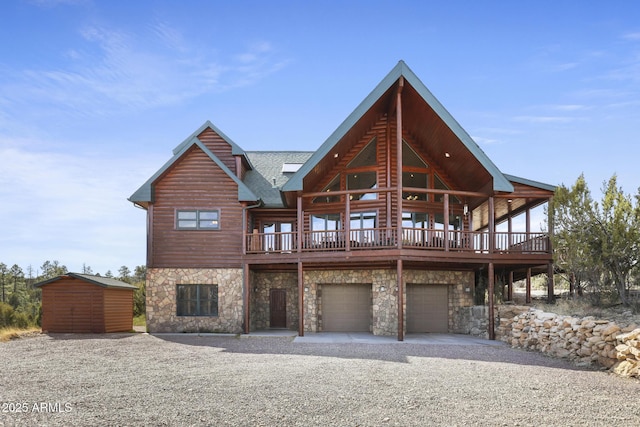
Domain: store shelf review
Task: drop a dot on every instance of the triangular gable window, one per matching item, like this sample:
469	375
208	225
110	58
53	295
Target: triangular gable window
410	158
366	157
334	185
440	185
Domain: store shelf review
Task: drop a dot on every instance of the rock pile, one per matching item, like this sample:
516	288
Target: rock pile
585	340
628	353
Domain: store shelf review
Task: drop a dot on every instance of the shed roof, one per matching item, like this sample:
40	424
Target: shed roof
105	282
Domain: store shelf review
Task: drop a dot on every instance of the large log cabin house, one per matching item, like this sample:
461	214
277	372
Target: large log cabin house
387	228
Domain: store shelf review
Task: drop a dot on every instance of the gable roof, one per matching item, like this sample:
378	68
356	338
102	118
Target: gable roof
105	282
145	192
500	182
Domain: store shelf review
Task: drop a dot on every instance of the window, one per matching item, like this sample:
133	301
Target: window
440	185
363	226
414	180
198	220
334	185
362	181
278	236
414	227
366	157
326	230
197	300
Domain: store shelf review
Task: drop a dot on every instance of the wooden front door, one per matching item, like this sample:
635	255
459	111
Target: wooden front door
278	308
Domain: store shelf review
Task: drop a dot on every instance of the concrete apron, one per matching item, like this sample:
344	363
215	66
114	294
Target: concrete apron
369	338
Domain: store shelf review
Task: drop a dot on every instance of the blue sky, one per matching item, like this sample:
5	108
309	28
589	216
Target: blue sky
94	95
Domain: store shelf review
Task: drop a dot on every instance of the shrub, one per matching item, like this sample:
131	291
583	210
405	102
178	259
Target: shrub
6	315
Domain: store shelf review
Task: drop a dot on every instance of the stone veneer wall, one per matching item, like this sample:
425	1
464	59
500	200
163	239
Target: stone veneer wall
585	340
161	300
261	285
384	304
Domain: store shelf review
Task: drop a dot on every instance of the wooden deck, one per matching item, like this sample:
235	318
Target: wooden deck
372	239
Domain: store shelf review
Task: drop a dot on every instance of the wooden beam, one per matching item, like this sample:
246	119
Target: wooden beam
492	226
400	286
446	221
399	161
300	300
528	291
510	288
300	223
492	331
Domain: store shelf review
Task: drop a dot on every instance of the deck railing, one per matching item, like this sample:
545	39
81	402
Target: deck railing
386	238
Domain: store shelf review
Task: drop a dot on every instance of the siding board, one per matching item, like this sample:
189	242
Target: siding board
196	182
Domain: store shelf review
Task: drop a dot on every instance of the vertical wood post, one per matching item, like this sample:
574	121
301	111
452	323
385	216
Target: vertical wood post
400	286
446	221
347	222
492	226
300	223
399	162
492	317
300	300
550	286
528	291
510	288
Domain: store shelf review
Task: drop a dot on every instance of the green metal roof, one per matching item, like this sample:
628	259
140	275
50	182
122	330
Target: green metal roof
145	193
530	183
500	183
105	282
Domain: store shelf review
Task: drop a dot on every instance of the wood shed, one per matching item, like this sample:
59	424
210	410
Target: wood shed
83	303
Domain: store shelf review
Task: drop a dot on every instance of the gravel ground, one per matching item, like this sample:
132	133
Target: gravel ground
139	379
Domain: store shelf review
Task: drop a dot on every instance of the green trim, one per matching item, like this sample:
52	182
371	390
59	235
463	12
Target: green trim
105	282
145	193
530	183
500	183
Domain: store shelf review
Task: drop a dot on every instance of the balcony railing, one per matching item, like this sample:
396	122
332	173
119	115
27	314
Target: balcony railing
387	238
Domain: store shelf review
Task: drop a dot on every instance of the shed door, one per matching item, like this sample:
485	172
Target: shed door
427	308
346	308
74	311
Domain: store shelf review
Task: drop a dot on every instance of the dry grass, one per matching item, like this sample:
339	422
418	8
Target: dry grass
11	333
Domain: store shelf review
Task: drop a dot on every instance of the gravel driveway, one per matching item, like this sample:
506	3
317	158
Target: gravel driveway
139	379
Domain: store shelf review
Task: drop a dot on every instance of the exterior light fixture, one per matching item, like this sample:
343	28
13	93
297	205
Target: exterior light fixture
382	288
447	155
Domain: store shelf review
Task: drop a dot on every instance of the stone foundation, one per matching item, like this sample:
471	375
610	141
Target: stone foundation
161	300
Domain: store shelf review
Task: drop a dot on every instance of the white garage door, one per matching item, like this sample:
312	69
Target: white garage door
427	308
346	308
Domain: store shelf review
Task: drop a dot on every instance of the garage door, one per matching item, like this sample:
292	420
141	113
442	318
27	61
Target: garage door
346	308
73	312
427	308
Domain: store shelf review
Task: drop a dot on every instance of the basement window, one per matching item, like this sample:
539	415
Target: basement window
198	220
197	300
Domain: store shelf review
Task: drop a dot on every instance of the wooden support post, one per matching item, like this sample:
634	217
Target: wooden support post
492	226
528	291
300	300
492	331
300	223
400	287
510	288
247	298
446	221
347	222
551	298
399	163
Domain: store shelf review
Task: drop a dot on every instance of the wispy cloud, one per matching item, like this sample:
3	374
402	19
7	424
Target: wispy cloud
544	119
134	71
50	197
